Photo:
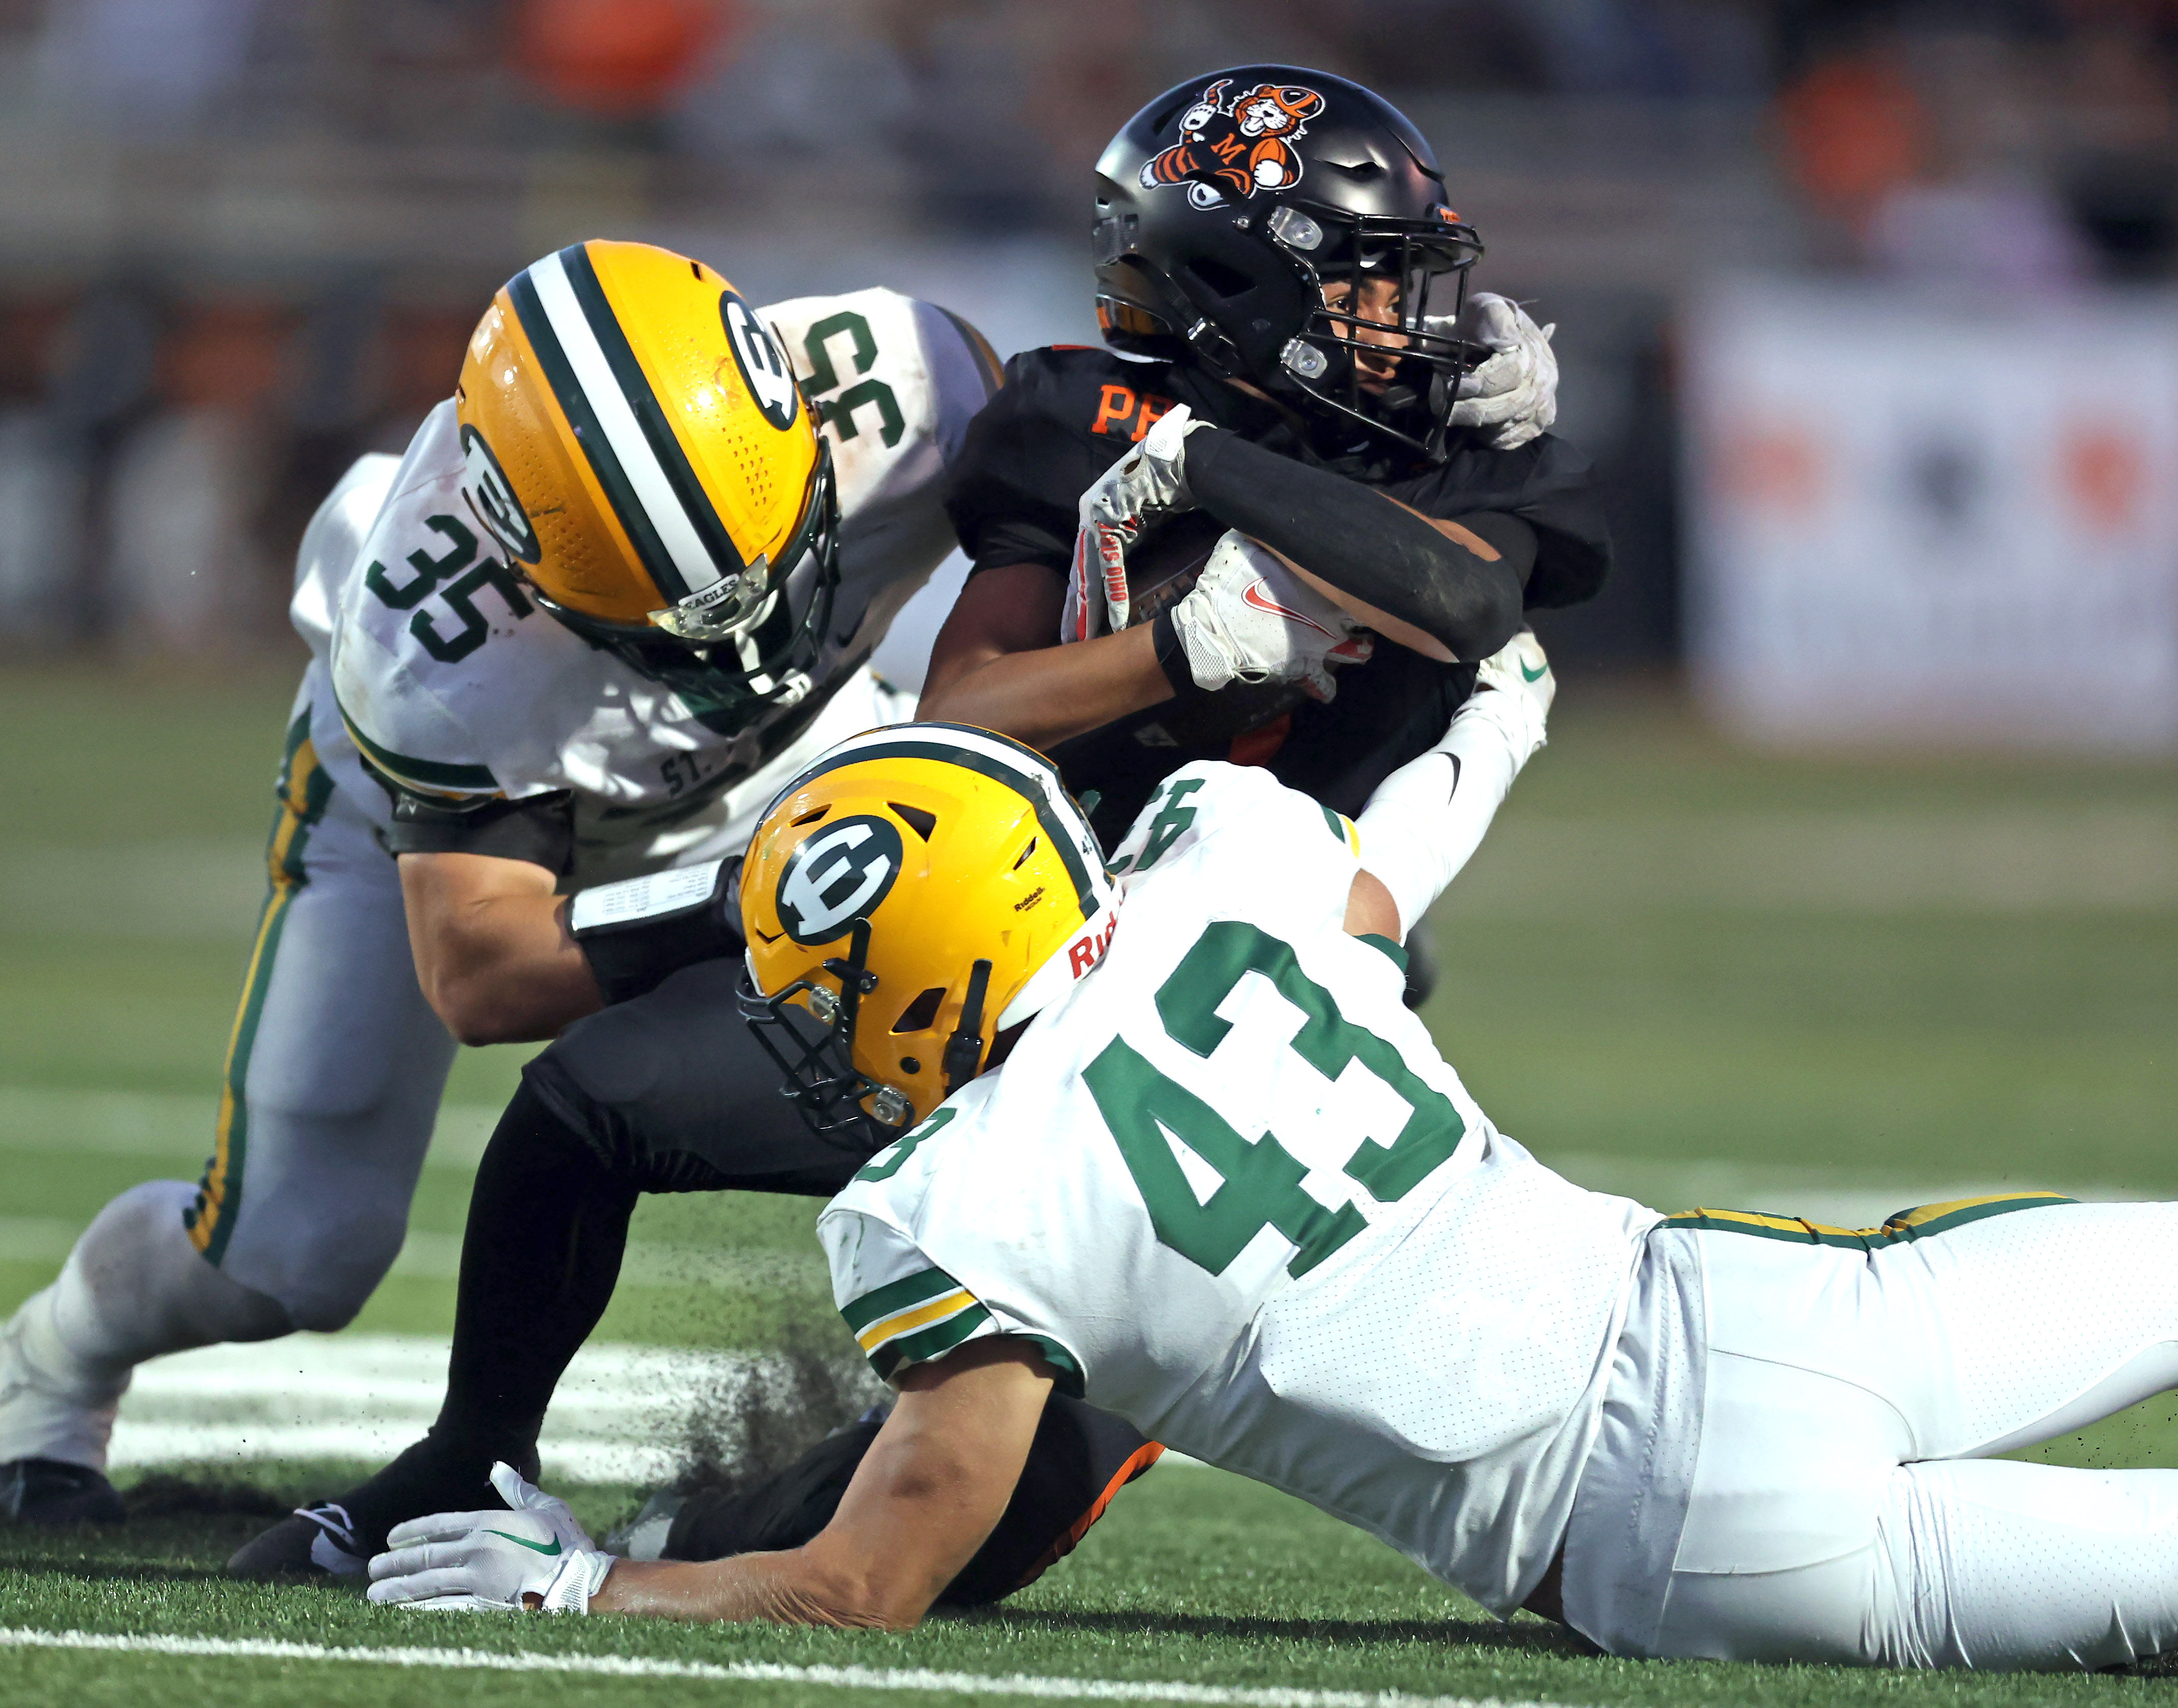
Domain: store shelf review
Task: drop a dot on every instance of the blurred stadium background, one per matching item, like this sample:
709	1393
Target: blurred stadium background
1851	875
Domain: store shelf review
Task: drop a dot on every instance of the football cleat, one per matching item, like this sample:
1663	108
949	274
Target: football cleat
50	1493
317	1541
335	1538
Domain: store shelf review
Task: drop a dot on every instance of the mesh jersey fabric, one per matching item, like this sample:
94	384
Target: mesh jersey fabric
1162	1187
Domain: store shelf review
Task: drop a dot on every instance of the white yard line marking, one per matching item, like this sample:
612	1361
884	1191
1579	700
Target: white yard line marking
621	1416
756	1672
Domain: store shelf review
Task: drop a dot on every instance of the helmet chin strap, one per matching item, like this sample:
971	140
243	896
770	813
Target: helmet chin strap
855	980
963	1050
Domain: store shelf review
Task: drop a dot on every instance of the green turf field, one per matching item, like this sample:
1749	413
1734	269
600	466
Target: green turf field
1675	969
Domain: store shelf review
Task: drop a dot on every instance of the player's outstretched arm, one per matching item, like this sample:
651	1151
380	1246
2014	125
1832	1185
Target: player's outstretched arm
933	1485
493	953
994	664
1425	820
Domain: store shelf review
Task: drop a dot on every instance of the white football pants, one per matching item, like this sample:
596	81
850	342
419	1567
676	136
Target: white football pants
332	1086
1843	1506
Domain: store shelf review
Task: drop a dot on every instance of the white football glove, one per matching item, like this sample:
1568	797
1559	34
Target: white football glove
1515	392
493	1562
1145	485
1248	618
1514	686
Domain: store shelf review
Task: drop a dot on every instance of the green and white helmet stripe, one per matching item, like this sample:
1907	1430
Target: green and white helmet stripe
1036	780
1021	768
631	445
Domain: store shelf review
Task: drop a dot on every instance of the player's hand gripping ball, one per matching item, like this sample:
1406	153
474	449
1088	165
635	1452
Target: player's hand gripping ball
533	1557
1250	619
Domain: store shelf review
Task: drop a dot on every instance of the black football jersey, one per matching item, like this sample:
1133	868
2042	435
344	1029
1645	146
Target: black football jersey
1066	413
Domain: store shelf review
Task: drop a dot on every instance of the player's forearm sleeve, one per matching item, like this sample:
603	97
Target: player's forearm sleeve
1363	543
1427	818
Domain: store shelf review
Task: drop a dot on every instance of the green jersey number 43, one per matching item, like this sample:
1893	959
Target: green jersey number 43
1261	1181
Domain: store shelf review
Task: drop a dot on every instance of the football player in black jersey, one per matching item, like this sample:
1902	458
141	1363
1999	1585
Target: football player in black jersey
1277	254
1317	437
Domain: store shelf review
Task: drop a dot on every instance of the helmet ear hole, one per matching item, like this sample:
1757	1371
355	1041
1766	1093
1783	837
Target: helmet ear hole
917	820
922	1013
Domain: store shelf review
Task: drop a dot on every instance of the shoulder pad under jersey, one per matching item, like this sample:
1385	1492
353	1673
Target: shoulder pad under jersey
894	381
426	595
1265	831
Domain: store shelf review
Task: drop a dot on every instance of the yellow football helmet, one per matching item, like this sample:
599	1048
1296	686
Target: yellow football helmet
908	897
636	441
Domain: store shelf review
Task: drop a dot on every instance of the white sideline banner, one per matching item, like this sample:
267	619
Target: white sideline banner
1926	520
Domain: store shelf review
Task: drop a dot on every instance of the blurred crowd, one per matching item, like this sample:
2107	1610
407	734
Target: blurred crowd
1990	141
242	241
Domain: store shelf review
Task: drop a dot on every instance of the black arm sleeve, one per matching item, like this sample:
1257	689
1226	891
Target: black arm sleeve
1358	541
1546	484
1513	540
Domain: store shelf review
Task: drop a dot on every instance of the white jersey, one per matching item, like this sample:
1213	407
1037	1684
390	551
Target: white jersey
1233	1191
427	653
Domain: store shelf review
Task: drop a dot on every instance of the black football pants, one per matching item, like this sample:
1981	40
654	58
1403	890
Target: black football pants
670	1092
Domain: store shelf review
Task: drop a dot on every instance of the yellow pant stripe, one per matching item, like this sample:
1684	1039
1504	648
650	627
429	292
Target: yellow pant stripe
1920	1222
304	791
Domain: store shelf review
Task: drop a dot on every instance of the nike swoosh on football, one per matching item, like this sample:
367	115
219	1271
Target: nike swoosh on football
534	1548
1534	675
1256	596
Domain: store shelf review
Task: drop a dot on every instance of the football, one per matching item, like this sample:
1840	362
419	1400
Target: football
1160	569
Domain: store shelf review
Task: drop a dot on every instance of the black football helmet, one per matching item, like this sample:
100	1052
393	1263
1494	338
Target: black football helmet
1243	218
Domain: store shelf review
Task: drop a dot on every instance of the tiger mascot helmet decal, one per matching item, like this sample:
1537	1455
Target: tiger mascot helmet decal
1229	148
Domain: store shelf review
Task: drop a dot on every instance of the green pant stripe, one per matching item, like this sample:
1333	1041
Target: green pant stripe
304	792
1920	1222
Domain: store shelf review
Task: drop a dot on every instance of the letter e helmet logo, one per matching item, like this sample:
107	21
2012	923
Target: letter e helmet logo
838	875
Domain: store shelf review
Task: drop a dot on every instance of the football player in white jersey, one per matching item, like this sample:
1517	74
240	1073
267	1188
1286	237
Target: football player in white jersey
622	585
1215	1178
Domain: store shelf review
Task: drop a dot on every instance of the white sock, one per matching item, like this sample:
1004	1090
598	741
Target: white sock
133	1287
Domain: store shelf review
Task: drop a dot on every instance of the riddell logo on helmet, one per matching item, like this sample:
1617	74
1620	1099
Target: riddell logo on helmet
1085	952
1231	147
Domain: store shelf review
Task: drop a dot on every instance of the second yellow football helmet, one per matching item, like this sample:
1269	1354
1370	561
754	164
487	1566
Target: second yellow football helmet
910	896
637	443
